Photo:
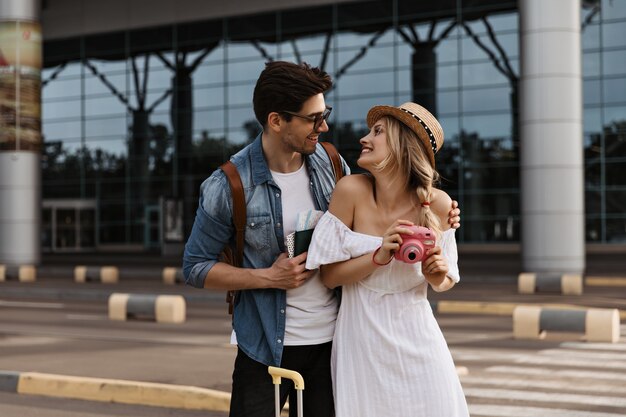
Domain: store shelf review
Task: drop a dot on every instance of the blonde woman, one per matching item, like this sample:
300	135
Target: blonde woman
389	356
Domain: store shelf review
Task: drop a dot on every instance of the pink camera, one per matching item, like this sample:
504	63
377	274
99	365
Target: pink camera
414	247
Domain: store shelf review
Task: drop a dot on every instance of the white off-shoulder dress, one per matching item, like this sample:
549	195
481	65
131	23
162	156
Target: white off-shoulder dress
389	356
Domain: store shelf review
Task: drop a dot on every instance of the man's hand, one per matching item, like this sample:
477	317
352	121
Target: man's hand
287	273
454	217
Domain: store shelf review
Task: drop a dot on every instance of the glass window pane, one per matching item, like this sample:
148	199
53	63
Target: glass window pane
612	9
62	130
488	126
487	99
593	226
613	62
447	76
46	229
615	170
615	117
66	229
66	109
447	103
352	60
246	51
482	74
87	228
616	229
614	90
591	64
614	34
615	201
591	92
355	109
245	70
592	120
104	106
208	120
106	127
448	48
472	49
490	230
240	94
209	75
591	36
237	118
94	86
378	84
61	88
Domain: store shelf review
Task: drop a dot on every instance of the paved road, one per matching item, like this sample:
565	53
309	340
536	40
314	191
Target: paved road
557	377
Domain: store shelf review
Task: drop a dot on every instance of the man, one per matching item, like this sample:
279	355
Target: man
283	315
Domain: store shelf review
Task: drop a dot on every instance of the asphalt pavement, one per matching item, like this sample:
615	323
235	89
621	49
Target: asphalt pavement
55	328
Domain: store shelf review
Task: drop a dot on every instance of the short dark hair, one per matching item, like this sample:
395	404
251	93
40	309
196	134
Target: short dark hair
285	86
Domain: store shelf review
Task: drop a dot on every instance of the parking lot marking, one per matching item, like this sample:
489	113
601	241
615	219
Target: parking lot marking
25	304
566	373
545	383
484	410
545	397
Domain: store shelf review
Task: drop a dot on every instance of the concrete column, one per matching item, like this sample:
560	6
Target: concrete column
552	172
20	131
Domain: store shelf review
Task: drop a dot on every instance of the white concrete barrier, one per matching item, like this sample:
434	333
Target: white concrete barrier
104	274
597	324
162	308
21	273
173	276
568	284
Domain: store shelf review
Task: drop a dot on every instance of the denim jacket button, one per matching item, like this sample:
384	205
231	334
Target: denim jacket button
279	341
282	311
277	195
277	224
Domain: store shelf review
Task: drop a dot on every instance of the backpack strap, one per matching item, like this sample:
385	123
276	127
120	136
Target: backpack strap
239	220
335	159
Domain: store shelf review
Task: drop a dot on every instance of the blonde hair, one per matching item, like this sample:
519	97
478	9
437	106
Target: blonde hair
408	160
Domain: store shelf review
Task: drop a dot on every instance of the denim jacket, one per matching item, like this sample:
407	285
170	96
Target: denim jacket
259	315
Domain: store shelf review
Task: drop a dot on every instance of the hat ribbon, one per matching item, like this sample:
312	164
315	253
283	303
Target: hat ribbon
433	143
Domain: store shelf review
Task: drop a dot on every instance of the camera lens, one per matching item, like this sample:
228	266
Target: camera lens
412	256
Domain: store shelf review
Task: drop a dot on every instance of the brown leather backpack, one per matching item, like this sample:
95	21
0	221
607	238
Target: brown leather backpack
234	256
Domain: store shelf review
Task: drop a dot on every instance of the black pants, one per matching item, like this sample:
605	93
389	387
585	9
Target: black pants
253	390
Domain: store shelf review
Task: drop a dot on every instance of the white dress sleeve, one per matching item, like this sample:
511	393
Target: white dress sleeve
333	241
448	248
327	242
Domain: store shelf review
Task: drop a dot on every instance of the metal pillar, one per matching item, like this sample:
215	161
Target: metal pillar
552	171
20	132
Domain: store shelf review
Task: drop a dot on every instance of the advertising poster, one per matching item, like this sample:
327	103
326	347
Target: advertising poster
20	86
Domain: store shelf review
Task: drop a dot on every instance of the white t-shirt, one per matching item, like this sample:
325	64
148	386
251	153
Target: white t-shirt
312	307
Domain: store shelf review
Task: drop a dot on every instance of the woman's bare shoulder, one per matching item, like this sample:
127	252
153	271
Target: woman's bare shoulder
354	185
347	193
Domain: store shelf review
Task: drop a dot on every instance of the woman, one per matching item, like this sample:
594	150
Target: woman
389	355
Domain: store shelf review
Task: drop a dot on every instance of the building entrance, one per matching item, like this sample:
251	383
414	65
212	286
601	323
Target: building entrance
69	225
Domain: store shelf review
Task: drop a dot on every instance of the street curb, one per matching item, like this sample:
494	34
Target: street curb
115	391
498	308
598	281
122	391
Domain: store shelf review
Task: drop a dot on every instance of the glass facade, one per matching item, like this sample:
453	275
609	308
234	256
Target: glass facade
135	117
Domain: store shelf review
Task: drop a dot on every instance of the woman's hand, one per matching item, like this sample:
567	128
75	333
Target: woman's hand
392	241
435	267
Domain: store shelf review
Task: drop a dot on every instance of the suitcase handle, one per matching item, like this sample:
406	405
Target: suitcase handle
298	381
278	373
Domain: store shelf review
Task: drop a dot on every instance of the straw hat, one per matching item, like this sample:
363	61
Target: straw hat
416	118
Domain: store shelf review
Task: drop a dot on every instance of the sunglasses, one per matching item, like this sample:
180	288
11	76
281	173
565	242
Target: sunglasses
317	120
